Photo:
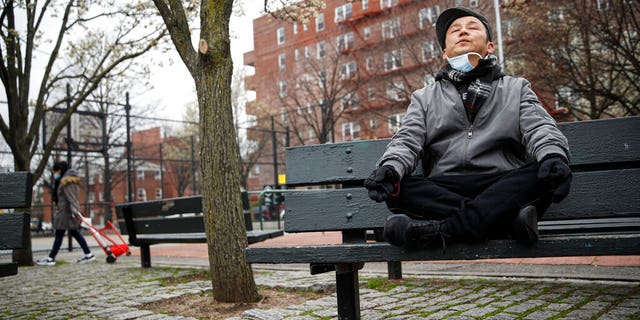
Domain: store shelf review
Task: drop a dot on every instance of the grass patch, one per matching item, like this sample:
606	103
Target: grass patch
200	275
384	284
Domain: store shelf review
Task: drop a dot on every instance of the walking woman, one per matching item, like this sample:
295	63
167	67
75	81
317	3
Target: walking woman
65	196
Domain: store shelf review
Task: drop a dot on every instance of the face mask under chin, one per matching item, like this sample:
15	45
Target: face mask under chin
462	62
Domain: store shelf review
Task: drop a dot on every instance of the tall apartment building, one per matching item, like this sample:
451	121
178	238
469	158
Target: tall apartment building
347	73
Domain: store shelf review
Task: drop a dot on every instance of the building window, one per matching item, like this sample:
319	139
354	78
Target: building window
295	28
283	89
320	22
306	52
365	5
321	49
92	197
345	41
303	81
322	78
305	26
281	62
343	12
158	175
367	33
350	131
91	180
395	121
348	70
395	91
140	174
350	101
371	93
391	28
142	194
373	123
100	196
459	2
393	60
100	179
473	3
429	51
388	3
369	63
281	35
296	54
428	16
158	193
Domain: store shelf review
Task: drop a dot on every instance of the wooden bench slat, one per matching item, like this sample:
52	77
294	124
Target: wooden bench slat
13	230
613	244
165	207
590	225
15	189
329	209
166	225
592	143
255	236
606	141
201	237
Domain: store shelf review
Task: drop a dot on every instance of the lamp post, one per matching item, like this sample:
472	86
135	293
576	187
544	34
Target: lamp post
496	6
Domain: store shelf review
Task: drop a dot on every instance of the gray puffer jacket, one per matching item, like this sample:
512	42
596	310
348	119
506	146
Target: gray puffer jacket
67	202
510	129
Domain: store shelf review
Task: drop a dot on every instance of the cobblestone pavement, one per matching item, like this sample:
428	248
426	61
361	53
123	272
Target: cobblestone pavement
115	291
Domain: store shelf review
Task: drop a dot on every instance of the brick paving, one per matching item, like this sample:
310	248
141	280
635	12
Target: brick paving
115	291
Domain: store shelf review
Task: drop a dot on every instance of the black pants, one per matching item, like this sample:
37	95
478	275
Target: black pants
57	242
475	206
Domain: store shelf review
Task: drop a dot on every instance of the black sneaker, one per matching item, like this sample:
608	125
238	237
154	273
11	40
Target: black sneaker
86	258
402	231
524	227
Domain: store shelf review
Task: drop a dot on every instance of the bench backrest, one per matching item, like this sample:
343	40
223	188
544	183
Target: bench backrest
153	217
159	216
15	193
605	161
15	189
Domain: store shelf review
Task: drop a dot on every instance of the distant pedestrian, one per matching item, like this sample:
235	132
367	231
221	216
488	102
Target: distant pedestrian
65	196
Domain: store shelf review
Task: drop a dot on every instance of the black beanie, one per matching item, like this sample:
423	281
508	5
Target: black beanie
447	17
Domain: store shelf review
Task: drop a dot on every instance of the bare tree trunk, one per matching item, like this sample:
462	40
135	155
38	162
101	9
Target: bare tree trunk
232	277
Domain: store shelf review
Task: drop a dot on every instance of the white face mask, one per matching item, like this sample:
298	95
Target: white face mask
462	63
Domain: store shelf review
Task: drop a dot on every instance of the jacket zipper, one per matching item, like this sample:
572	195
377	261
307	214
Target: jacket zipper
466	147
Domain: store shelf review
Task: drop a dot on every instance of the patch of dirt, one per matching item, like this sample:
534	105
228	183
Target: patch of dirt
203	306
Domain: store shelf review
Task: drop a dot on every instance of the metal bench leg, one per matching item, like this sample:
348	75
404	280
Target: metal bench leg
348	291
145	256
395	270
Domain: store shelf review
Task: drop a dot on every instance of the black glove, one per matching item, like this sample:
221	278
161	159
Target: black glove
555	171
381	183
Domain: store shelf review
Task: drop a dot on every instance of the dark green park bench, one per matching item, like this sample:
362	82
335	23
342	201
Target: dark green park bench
601	216
175	220
15	193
